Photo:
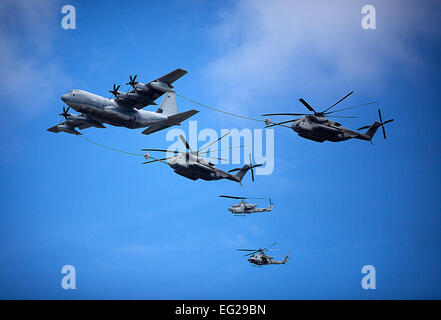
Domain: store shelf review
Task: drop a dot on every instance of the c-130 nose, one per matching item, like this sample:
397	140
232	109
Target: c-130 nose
64	97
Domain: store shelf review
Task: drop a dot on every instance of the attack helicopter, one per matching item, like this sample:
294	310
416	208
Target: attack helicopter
243	208
317	127
191	164
260	258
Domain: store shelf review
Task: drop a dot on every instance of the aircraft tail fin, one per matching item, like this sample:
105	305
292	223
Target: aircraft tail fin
242	172
372	129
168	105
285	260
270	207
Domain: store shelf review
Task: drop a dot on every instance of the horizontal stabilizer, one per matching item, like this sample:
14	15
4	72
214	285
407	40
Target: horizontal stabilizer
179	117
171	121
63	128
54	129
155	128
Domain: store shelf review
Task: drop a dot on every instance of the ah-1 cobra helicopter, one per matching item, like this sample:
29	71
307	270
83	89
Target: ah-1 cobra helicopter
242	208
191	164
260	258
317	127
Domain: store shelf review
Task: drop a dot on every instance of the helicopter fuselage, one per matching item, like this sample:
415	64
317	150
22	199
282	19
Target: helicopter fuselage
247	208
260	259
321	129
193	167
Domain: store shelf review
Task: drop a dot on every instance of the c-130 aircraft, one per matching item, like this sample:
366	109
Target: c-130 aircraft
124	109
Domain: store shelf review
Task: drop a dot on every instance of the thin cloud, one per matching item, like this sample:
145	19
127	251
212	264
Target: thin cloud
279	46
28	60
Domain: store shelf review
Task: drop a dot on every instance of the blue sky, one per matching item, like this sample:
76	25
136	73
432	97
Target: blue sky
142	232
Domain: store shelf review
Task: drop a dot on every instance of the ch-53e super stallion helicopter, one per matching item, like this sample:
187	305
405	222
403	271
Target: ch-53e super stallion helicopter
124	109
243	208
191	164
260	258
317	127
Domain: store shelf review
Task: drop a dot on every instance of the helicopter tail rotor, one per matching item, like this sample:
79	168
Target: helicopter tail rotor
374	127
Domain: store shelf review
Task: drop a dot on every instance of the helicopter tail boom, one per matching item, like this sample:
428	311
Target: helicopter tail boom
372	129
242	172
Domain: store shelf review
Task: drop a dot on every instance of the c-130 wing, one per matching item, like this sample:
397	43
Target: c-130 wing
145	94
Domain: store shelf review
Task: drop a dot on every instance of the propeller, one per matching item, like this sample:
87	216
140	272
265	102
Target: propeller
115	90
132	81
65	112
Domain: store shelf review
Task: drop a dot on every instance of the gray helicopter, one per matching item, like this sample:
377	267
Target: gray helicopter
243	208
124	109
317	127
260	258
191	164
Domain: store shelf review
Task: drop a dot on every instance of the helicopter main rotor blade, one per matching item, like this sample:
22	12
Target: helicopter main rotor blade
208	145
163	150
229	148
277	124
155	160
307	105
338	101
270	246
348	117
232	197
185	142
243	198
352	107
250	254
280	123
213	157
284	114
